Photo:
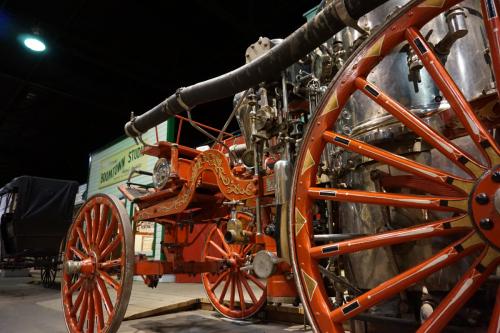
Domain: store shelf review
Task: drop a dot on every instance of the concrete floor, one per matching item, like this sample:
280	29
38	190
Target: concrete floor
27	307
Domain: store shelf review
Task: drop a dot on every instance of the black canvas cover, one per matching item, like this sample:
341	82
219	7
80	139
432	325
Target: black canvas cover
42	216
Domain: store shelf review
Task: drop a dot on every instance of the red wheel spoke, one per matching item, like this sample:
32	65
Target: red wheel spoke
98	309
96	222
245	249
439	228
482	267
103	223
91	313
112	282
389	199
111	247
89	225
219	280
444	258
78	302
240	292
396	161
224	289
248	288
212	258
224	244
254	280
455	154
83	239
77	252
111	264
450	90
218	248
494	326
83	312
110	229
75	286
105	295
233	291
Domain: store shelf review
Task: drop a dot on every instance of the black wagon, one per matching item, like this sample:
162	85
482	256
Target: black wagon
35	214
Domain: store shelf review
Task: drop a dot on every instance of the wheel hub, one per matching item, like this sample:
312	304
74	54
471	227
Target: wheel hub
484	207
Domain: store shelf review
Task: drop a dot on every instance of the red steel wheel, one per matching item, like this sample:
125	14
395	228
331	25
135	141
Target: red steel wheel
235	292
473	228
98	266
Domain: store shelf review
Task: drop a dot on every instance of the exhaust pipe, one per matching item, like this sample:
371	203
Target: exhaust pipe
333	18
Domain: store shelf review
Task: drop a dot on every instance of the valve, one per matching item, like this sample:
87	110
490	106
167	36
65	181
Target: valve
235	232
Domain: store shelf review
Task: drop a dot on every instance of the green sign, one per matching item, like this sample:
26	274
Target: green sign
116	168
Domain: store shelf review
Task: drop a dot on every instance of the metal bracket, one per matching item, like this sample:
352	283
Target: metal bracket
345	17
180	101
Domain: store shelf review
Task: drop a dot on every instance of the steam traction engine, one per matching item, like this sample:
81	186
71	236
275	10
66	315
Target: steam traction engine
365	180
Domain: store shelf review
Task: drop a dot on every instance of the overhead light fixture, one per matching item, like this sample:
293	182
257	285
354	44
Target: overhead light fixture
34	44
33	41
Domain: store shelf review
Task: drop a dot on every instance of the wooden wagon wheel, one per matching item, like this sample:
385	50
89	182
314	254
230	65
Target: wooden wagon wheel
98	266
48	272
235	292
472	224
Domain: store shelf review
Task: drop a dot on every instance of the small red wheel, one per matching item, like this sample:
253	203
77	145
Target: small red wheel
98	266
235	292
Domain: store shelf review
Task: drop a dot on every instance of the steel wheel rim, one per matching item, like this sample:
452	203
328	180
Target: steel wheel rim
319	311
232	282
110	251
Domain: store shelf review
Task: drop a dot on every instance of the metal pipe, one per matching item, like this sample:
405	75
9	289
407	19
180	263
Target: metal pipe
297	45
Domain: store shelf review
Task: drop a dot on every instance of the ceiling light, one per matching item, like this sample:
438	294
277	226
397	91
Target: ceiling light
34	44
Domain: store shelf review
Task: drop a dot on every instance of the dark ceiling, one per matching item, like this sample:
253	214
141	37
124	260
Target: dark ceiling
107	58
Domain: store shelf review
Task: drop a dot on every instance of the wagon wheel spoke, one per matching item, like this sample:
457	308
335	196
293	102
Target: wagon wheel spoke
445	257
103	223
89	226
77	253
83	239
91	313
110	229
444	227
110	264
224	289
98	309
78	302
479	135
248	288
462	159
105	296
108	279
83	312
254	280
390	199
96	222
240	292
479	271
219	280
218	248
75	285
399	162
110	247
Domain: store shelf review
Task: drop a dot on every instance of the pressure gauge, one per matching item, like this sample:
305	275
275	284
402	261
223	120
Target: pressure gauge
161	173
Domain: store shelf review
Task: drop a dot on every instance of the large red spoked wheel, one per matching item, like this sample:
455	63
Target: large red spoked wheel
98	266
235	292
470	221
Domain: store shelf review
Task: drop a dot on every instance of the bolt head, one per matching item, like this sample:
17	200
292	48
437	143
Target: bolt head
482	198
496	176
486	224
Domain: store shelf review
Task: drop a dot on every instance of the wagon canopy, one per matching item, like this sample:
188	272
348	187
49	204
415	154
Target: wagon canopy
41	217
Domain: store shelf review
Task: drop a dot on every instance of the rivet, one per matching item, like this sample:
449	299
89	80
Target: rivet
486	224
482	198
